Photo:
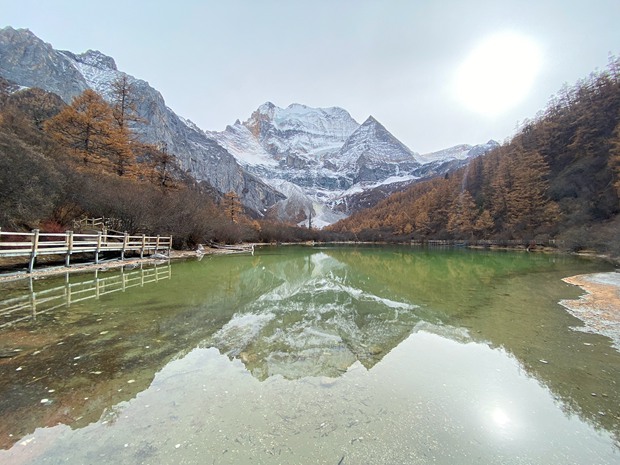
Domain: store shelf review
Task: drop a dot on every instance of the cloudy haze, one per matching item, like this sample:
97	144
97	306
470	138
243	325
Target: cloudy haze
217	61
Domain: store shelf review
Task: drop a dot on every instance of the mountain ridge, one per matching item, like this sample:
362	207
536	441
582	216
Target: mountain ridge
30	62
323	151
331	157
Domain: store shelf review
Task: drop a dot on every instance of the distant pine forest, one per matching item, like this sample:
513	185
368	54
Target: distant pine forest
557	178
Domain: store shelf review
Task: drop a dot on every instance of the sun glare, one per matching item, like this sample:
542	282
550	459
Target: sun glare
498	74
500	418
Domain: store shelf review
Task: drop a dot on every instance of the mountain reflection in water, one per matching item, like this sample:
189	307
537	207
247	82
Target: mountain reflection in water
317	321
298	320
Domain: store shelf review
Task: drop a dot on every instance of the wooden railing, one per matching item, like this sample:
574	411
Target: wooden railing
36	243
90	223
34	303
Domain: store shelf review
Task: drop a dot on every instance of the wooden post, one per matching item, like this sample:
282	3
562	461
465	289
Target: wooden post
97	292
143	245
33	252
33	300
157	244
98	248
125	241
68	289
69	241
169	246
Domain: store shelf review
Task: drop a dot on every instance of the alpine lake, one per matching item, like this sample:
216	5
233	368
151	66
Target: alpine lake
309	355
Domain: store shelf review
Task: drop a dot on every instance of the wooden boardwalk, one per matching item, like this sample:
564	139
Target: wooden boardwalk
37	243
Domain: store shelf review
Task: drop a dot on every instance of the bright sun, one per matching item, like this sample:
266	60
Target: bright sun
498	73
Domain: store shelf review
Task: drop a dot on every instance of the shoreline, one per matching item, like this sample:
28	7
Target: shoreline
599	307
53	269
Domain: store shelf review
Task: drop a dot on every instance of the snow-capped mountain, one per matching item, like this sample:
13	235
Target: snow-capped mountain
300	130
374	154
323	160
290	163
30	62
314	156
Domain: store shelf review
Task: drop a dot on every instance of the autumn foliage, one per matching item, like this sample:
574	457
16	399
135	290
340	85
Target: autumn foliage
558	177
61	162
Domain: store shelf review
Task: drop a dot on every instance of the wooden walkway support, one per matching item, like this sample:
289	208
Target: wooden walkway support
36	243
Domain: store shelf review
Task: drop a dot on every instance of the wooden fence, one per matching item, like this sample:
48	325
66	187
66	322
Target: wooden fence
36	243
34	303
90	223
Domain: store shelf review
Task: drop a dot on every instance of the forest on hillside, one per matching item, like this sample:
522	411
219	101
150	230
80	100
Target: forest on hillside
559	177
60	163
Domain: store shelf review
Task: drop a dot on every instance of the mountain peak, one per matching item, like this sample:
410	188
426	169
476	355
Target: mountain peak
31	62
9	31
266	108
370	120
97	59
376	153
22	39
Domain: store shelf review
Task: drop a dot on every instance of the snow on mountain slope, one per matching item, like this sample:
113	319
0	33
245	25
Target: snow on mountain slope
365	186
372	153
376	144
242	144
302	207
458	152
300	130
316	148
98	70
319	157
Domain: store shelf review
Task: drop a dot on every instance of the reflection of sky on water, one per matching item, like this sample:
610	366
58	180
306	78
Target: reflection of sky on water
431	399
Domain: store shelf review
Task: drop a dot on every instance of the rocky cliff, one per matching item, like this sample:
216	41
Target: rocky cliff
28	61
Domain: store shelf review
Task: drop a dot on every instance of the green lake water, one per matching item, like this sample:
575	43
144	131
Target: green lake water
309	355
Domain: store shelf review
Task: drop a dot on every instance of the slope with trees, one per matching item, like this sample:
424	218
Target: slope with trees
558	177
59	163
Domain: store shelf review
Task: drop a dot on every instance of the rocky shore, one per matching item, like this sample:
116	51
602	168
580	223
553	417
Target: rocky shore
599	307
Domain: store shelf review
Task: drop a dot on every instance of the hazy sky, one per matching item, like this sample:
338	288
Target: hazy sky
404	62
